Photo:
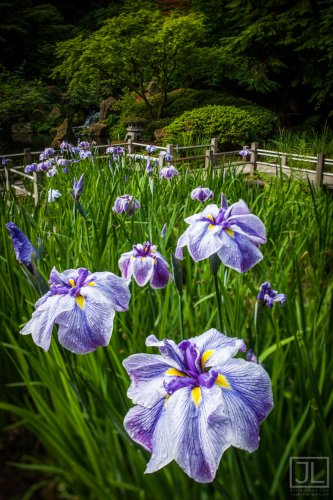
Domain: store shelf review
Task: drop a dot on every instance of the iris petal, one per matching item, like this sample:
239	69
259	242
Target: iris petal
143	269
43	319
238	252
248	401
203	240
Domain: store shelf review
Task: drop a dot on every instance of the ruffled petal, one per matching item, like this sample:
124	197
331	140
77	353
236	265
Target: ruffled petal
204	239
249	225
169	350
216	348
147	372
161	274
87	326
238	252
247	401
43	319
238	208
198	430
143	270
125	265
140	423
113	287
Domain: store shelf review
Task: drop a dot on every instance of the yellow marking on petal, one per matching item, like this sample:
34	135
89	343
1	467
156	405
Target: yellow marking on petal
175	372
204	358
92	283
222	382
196	396
155	261
72	282
143	259
132	257
167	397
209	216
211	226
80	300
231	233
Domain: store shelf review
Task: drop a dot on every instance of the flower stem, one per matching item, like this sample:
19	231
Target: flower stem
218	302
181	315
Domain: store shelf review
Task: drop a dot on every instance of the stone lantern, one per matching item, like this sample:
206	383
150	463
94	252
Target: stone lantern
134	128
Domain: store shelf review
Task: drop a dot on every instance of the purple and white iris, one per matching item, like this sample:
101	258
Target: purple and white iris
77	188
233	233
126	204
83	305
194	401
145	264
202	194
52	195
267	296
168	172
23	248
151	149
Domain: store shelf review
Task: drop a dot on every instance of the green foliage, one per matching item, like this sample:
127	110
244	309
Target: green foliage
308	142
232	126
19	99
75	405
131	50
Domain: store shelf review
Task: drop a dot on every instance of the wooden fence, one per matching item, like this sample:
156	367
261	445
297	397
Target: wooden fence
276	163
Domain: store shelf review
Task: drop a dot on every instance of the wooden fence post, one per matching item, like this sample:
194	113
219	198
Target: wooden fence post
27	155
213	145
169	148
130	146
319	170
209	157
253	158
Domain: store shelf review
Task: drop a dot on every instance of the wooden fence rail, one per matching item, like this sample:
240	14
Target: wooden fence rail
275	165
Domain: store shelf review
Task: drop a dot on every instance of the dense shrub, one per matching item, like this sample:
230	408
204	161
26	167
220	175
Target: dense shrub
231	125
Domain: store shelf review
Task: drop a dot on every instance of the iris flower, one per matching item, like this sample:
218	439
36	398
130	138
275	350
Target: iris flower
202	194
77	188
151	149
145	264
168	172
83	305
194	401
233	233
53	194
23	248
267	296
125	204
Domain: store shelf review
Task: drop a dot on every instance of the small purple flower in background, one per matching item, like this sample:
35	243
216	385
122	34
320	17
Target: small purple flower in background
245	151
125	204
63	162
151	149
166	156
233	233
46	154
76	150
85	154
168	172
202	194
84	145
149	167
31	168
53	194
65	170
77	188
44	166
52	172
194	401
267	296
116	151
23	248
4	161
65	146
83	305
145	264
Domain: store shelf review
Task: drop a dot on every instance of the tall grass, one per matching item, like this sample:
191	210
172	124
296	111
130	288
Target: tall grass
307	142
75	405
